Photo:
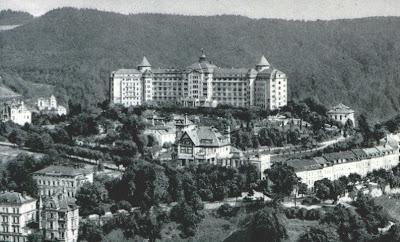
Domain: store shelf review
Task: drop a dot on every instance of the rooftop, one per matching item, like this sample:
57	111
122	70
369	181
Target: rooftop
263	61
14	198
62	171
341	108
206	136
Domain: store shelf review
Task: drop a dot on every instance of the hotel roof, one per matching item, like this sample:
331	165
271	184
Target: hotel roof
263	61
62	171
144	63
127	71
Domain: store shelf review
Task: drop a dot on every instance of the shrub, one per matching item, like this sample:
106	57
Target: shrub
226	210
310	201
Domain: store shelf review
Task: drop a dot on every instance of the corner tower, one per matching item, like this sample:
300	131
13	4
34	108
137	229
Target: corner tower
144	65
263	64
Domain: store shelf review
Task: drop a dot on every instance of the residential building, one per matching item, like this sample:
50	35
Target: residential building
49	106
16	111
59	218
342	113
61	179
200	84
162	134
17	212
337	164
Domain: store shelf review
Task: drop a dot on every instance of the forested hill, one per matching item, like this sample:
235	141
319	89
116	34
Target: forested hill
351	61
10	17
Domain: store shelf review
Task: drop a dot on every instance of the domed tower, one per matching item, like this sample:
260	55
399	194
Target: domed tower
263	64
145	65
203	57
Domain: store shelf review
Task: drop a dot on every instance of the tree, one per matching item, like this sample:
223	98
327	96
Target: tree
314	235
184	214
365	129
267	225
39	142
90	198
17	137
90	232
283	177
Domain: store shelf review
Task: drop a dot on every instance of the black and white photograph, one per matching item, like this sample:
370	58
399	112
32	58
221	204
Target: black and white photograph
199	121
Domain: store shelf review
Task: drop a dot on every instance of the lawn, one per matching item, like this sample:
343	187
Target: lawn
215	229
9	153
391	205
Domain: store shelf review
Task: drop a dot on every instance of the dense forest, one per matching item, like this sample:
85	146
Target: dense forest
10	17
351	61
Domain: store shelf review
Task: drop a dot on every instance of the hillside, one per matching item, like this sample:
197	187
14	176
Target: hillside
10	17
351	61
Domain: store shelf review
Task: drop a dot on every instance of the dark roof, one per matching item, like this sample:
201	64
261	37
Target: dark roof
359	153
303	164
127	71
341	108
166	71
14	198
62	171
59	202
202	66
230	72
347	155
206	136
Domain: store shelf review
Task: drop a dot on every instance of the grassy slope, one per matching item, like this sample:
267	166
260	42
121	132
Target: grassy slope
214	229
391	205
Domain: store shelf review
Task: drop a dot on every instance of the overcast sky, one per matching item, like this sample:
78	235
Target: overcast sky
287	9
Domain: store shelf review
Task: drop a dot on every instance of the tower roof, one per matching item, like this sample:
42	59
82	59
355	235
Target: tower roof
263	62
145	62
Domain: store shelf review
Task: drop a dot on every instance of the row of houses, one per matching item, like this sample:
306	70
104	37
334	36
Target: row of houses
337	164
54	213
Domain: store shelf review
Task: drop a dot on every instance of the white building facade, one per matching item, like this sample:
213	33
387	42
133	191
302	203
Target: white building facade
342	113
17	211
49	106
59	219
200	84
17	112
63	180
334	165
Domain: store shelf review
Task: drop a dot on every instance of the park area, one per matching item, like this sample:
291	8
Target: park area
8	153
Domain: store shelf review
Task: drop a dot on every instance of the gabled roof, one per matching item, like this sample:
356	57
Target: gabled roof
206	136
145	62
14	198
263	62
341	108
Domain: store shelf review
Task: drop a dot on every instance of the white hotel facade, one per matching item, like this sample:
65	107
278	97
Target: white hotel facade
200	84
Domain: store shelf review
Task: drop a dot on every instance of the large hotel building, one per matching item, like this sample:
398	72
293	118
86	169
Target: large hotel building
200	84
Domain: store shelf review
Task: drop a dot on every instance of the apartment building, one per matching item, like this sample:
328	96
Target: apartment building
200	84
59	218
17	212
337	164
66	180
